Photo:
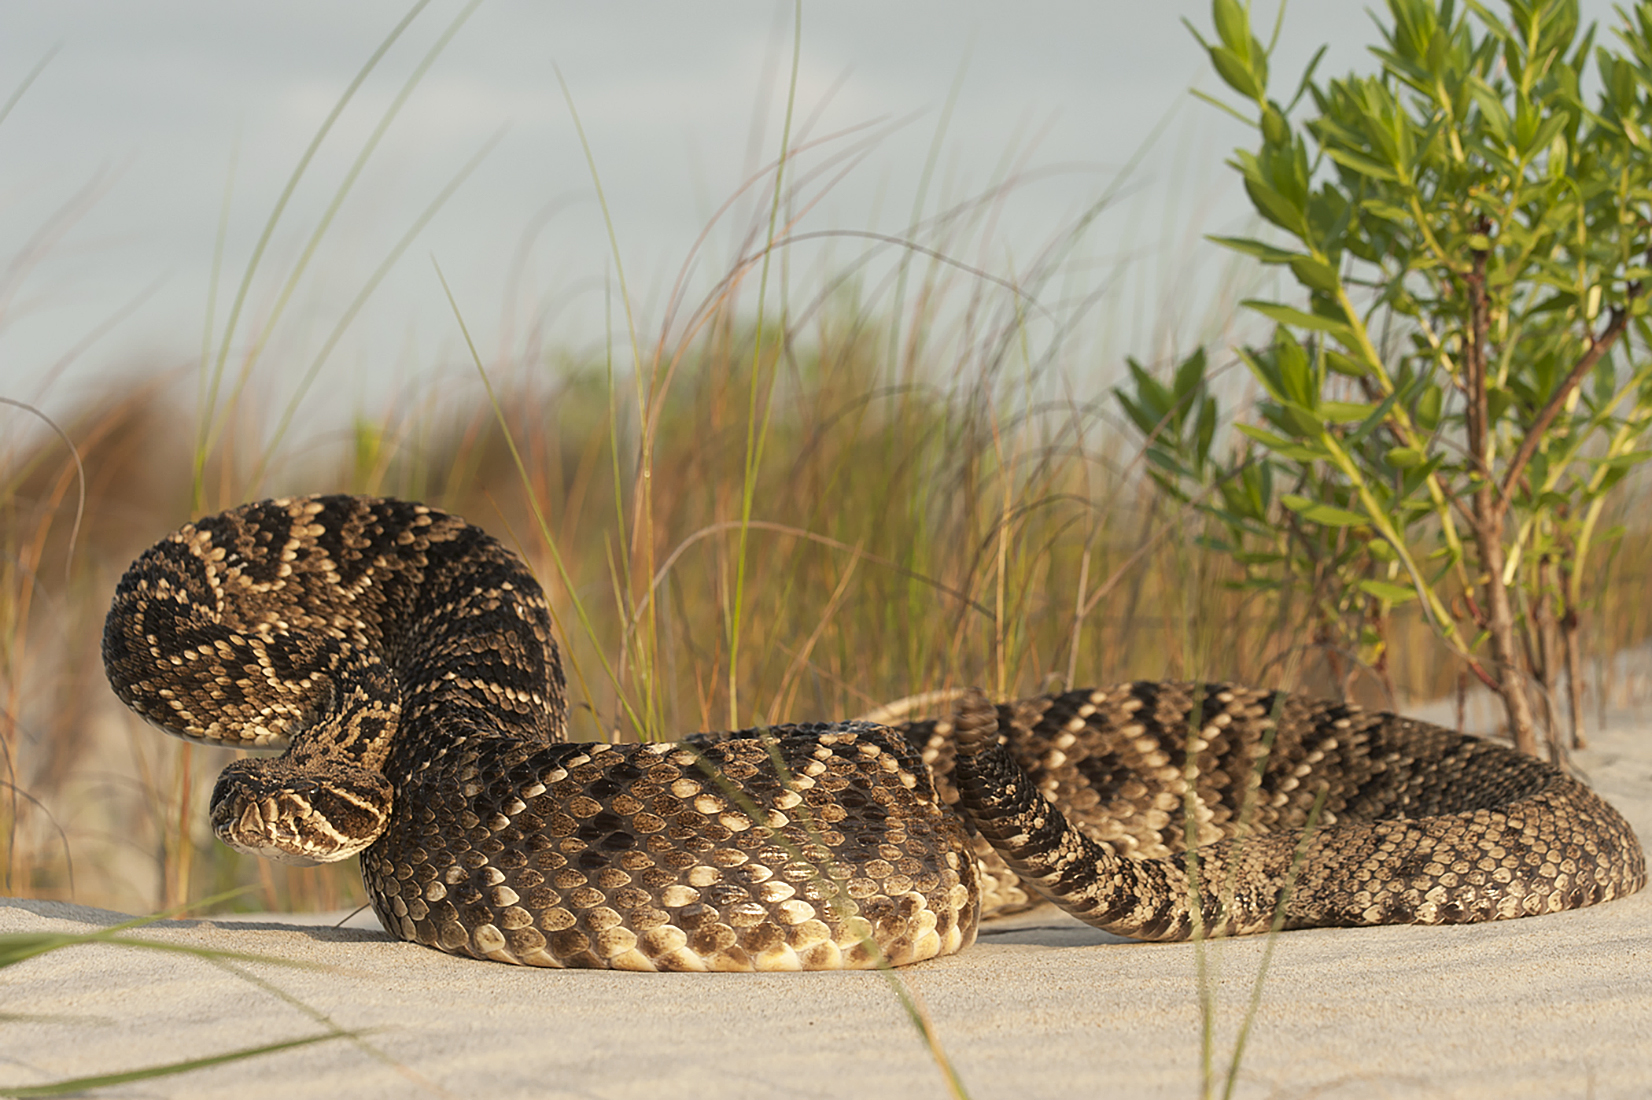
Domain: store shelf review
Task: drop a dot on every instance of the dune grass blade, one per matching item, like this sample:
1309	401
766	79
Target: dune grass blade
168	1069
755	434
1195	900
80	476
19	947
920	1021
23	85
209	323
16	947
920	198
647	647
209	407
1228	889
639	530
357	1038
607	217
22	941
360	300
1278	925
538	512
340	193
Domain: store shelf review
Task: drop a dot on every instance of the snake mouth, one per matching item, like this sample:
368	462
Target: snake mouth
284	829
260	810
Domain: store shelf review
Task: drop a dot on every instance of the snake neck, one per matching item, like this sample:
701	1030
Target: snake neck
463	633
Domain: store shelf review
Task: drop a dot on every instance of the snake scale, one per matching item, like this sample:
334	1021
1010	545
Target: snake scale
404	660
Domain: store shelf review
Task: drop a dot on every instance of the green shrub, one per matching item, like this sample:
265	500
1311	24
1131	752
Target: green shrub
1461	390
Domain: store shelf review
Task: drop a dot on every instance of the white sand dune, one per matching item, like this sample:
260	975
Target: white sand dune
1041	1006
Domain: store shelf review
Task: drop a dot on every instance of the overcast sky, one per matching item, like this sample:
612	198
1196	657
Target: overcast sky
114	165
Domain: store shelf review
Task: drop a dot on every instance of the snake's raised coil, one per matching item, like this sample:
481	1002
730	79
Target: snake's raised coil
404	659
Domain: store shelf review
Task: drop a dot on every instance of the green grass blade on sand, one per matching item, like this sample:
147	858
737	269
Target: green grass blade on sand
20	946
15	947
1297	861
167	1069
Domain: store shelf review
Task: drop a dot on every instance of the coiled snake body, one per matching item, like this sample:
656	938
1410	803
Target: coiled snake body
404	659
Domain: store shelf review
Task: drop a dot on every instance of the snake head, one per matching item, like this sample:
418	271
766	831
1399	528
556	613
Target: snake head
299	815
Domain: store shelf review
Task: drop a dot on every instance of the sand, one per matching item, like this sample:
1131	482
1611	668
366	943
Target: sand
1041	1006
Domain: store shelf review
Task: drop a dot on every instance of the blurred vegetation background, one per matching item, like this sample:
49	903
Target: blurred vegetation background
808	493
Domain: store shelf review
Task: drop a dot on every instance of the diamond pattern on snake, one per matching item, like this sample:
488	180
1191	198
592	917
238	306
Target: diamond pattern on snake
403	662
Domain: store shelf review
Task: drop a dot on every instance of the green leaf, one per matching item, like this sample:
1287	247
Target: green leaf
1285	315
1387	591
1404	457
1365	166
1281	446
1153	407
1232	25
1273	206
1428	407
1377	416
1611	478
1296	376
1234	71
1327	515
1137	414
1190	376
1166	461
1275	130
1492	110
1345	366
1303	422
1549	132
1204	430
1387	211
1315	274
1267	253
1343	412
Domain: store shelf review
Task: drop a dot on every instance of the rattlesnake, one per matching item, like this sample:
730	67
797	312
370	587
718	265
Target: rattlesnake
405	660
